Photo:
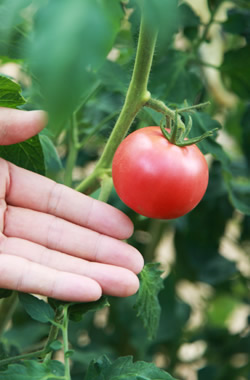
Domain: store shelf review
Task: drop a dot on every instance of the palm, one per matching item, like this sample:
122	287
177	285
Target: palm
58	242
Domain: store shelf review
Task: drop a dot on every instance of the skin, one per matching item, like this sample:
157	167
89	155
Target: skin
158	179
55	241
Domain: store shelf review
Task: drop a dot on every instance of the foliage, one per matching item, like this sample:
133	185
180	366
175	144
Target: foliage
75	59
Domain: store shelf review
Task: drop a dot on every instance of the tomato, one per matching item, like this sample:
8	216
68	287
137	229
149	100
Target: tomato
156	178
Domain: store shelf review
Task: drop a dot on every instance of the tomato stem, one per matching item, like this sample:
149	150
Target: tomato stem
137	96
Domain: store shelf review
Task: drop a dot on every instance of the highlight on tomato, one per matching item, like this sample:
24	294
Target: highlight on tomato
157	178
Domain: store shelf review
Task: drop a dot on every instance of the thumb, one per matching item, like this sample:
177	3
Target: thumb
17	125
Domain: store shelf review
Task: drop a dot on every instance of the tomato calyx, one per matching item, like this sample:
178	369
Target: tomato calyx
179	136
175	130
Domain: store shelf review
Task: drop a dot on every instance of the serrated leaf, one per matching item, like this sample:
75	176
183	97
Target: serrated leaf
27	154
36	308
147	304
32	370
10	93
124	368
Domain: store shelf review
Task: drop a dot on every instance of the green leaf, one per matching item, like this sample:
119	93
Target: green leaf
239	193
189	21
235	68
27	154
71	39
10	93
52	160
124	368
32	370
238	22
78	310
147	304
182	84
4	293
202	122
56	345
36	308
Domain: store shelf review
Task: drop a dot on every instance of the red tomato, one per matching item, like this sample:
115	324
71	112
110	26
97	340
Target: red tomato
158	179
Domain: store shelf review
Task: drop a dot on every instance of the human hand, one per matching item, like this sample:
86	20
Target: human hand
55	241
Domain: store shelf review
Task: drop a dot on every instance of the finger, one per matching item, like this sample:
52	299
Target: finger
114	281
17	125
30	190
63	236
20	274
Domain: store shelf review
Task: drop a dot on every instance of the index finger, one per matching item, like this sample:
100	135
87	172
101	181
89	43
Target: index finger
33	191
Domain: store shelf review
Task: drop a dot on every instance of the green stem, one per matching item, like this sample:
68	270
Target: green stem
159	106
13	359
73	151
66	342
7	308
53	333
137	96
106	188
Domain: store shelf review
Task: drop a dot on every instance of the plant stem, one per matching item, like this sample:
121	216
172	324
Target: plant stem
106	187
53	333
137	96
73	151
14	359
7	308
66	342
159	106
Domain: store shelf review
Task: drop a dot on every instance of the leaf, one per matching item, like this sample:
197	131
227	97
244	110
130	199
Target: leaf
202	122
32	370
188	21
181	83
220	309
78	310
27	154
124	368
238	22
4	293
52	160
147	304
36	308
246	135
10	93
71	39
239	193
235	68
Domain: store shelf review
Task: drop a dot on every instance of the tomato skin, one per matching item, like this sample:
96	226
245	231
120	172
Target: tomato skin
158	179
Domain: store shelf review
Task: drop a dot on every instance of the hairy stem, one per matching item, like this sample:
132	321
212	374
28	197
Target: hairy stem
137	96
73	151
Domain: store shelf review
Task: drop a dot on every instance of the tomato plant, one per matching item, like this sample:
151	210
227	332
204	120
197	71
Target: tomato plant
100	67
157	178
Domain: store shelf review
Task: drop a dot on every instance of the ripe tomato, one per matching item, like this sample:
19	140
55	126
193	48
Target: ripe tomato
158	179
